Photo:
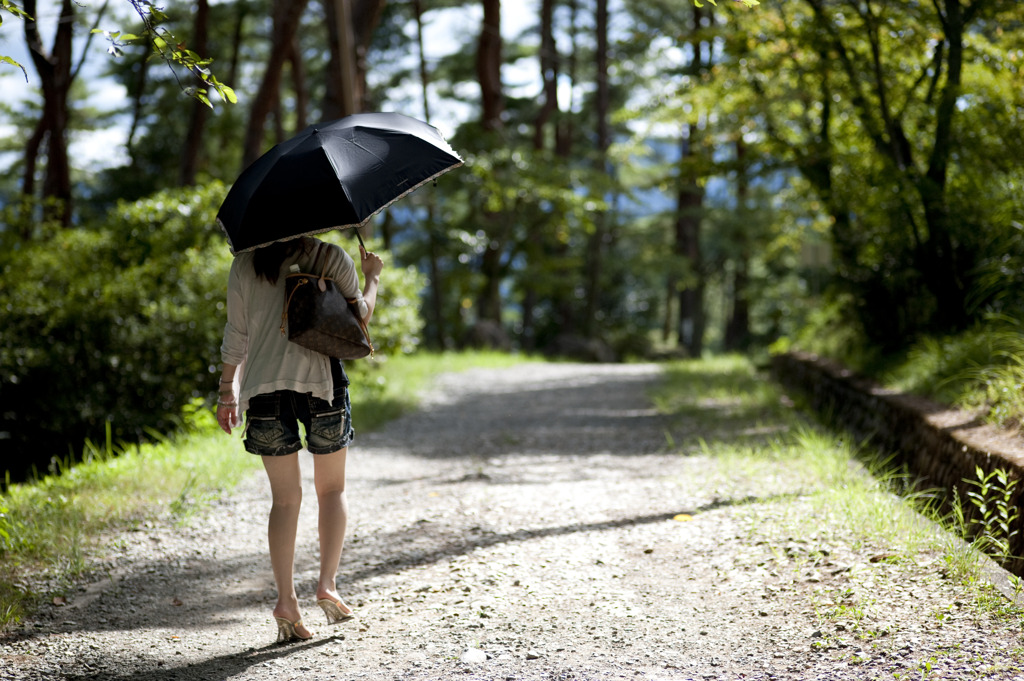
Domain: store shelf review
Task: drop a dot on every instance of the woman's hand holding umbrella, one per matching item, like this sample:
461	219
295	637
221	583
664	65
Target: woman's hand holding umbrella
372	266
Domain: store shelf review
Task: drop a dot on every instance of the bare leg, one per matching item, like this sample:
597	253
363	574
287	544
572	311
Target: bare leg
286	492
329	480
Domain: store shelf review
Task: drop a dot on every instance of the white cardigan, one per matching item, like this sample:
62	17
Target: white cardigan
267	361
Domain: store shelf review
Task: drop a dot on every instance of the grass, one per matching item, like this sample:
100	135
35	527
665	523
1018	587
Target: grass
980	369
51	528
799	480
54	524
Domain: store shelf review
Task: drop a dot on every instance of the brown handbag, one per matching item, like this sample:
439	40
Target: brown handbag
319	317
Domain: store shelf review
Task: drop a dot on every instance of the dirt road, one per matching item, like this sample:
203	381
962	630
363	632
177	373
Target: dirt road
528	524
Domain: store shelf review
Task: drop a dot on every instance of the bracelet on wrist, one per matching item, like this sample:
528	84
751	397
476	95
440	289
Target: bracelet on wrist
226	404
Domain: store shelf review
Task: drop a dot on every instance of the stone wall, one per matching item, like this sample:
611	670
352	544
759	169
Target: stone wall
941	446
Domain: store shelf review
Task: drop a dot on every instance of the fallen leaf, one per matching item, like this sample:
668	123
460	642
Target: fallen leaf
683	517
59	600
176	602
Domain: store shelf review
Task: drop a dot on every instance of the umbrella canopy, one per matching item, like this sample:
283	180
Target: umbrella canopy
332	175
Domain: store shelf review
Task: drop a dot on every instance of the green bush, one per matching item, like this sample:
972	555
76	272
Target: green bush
119	324
110	323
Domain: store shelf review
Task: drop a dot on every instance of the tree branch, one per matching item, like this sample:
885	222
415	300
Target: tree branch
88	40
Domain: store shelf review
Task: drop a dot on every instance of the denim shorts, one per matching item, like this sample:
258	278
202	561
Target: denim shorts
272	423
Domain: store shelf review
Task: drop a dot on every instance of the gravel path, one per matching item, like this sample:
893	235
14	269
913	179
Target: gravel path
526	524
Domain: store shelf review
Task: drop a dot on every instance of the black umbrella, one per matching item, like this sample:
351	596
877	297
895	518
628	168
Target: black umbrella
330	176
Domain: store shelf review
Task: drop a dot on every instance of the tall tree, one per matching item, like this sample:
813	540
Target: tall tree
737	326
350	27
548	59
909	121
690	203
488	66
50	134
200	111
596	239
286	15
437	290
488	71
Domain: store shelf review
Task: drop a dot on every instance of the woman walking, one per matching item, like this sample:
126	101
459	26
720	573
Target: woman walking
278	384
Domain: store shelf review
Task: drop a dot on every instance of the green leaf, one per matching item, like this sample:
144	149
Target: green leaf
227	93
8	60
15	10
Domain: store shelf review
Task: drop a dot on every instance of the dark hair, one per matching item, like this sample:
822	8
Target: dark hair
266	260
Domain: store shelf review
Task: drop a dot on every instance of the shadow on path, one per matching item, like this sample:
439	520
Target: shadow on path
458	545
220	667
603	410
208	599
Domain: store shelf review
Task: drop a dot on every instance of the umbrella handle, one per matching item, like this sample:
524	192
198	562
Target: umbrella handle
360	237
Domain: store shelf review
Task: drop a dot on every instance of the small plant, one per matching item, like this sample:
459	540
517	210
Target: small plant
994	528
189	499
961	558
5	529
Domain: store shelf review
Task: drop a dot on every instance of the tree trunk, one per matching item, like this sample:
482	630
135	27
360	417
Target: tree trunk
287	14
237	36
299	85
488	71
489	302
670	297
200	112
938	262
689	209
434	251
548	73
564	127
564	308
488	66
54	69
737	328
138	110
539	247
596	241
346	81
689	205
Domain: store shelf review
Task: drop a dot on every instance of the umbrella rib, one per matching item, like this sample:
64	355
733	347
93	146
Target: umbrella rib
406	193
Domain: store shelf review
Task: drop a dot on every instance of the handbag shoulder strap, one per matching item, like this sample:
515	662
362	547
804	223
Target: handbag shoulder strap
321	247
320	281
